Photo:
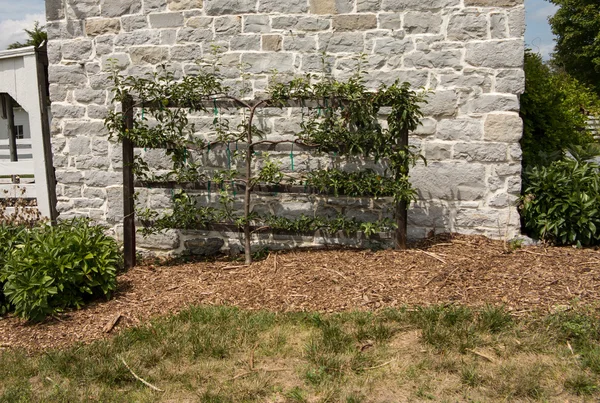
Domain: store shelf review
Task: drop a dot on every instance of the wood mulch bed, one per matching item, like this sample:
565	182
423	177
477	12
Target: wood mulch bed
448	269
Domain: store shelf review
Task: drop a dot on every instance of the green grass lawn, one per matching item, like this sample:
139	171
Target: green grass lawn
223	354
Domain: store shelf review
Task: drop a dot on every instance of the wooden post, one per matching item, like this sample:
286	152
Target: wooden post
128	187
42	74
402	206
8	108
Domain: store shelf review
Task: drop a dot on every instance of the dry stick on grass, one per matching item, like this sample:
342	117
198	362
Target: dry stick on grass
477	353
380	365
148	384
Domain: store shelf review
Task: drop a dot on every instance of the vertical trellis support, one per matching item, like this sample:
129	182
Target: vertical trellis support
402	206
128	186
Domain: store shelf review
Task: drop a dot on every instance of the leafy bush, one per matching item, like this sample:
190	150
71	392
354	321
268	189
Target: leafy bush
555	110
50	268
561	203
9	236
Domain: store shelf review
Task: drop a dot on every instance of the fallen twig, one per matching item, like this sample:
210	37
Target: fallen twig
433	255
477	353
112	323
148	384
232	267
380	365
336	272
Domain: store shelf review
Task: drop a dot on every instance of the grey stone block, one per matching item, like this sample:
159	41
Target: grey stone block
188	52
393	46
496	54
166	20
434	59
516	22
148	54
389	21
258	63
134	22
179	5
165	240
79	49
245	42
403	5
67	111
271	43
103	178
55	10
460	129
155	6
97	111
72	76
89	96
195	35
441	103
507	127
138	38
493	3
204	246
466	26
257	23
229	25
422	22
58	93
435	151
284	7
484	152
199	22
82	9
344	42
65	29
302	44
510	81
119	61
498	26
486	103
449	181
354	22
118	8
223	7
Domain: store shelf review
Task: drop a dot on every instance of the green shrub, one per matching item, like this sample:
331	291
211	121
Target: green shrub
51	268
561	203
9	236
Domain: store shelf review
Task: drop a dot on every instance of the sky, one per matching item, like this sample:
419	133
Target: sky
15	15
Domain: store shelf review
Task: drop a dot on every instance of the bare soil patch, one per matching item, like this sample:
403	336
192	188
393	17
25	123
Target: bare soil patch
456	269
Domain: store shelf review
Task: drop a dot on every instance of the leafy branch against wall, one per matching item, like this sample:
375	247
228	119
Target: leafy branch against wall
339	118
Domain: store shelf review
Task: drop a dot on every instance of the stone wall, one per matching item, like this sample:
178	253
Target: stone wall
469	53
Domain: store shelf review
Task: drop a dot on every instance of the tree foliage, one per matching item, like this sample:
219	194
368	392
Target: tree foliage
36	37
577	27
555	109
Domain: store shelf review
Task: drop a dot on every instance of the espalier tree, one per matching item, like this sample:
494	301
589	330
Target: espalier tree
339	118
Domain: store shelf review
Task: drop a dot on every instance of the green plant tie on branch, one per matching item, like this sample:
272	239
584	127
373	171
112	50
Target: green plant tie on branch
292	157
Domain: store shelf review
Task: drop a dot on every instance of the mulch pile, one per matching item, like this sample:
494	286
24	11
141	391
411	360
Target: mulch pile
448	269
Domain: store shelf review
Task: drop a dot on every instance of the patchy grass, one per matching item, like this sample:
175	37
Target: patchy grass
224	354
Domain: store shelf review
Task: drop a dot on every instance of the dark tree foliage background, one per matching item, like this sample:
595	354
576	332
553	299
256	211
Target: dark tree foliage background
555	109
577	27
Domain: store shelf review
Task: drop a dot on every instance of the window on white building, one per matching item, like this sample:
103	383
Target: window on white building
19	131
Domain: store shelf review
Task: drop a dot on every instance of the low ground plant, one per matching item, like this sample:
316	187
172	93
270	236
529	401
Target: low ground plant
224	354
47	269
561	202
